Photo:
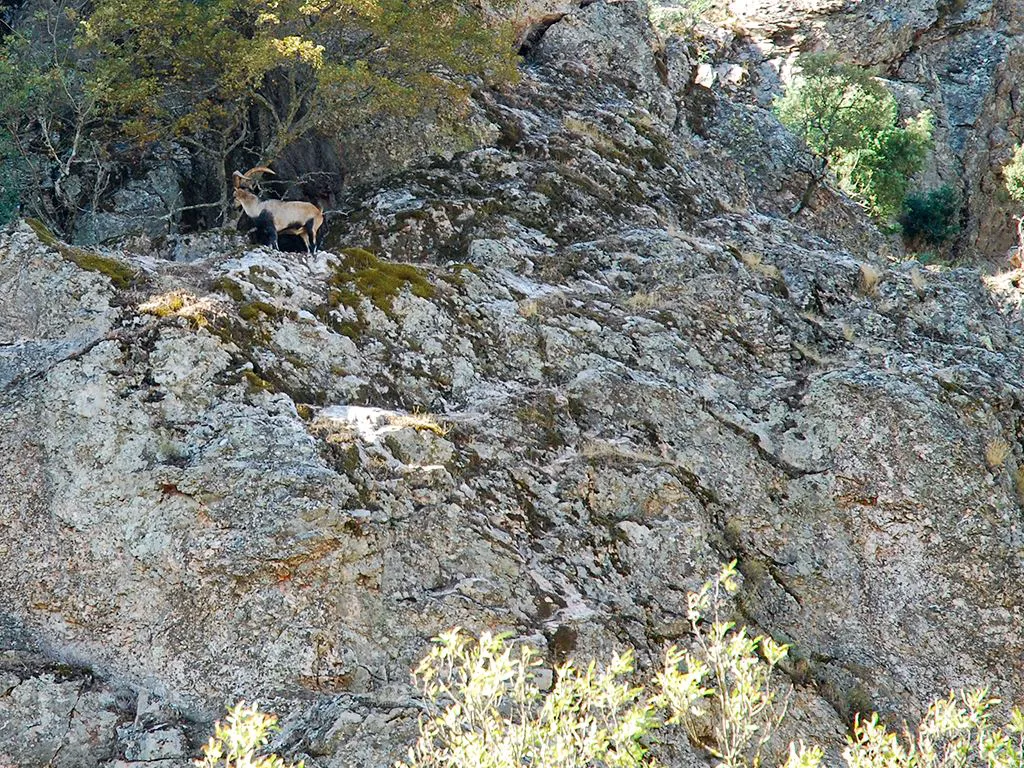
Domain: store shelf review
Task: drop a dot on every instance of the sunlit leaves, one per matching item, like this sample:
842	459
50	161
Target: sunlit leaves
956	731
722	692
1013	174
491	703
849	119
488	711
183	68
237	741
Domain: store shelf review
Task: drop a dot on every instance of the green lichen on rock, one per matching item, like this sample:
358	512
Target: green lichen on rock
351	330
362	275
246	335
252	311
456	277
228	287
120	275
264	278
46	237
257	383
249	336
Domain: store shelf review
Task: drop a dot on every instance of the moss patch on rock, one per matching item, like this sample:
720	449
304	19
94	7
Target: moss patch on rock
456	277
362	275
120	275
228	287
257	383
252	311
46	237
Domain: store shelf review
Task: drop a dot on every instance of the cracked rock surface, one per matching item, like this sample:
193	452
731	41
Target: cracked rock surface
544	387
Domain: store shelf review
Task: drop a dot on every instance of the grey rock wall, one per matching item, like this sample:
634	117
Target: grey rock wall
587	366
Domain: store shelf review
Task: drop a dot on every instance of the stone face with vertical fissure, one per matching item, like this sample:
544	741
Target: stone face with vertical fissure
545	387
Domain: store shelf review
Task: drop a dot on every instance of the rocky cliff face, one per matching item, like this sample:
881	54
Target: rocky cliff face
962	60
547	386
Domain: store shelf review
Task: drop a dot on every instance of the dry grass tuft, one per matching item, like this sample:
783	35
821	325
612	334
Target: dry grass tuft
602	143
755	263
1018	483
996	451
528	308
810	354
641	301
181	304
333	432
595	449
870	276
420	421
917	279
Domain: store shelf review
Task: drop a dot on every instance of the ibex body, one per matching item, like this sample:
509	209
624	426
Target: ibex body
293	217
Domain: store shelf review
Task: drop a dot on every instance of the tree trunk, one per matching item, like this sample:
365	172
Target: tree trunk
224	196
1020	242
812	187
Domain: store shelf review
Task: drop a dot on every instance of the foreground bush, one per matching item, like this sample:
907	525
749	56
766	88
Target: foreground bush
956	731
491	704
487	709
237	741
1013	177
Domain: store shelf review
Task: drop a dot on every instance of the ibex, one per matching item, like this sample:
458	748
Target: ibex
293	217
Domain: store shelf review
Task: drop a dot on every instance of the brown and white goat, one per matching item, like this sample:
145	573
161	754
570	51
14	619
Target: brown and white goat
293	217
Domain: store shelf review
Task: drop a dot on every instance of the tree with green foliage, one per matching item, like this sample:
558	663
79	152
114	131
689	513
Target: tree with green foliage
259	75
878	172
11	181
232	81
849	120
48	123
931	217
1013	176
680	18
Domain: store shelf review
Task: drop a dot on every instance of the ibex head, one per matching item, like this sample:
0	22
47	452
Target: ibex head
244	180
